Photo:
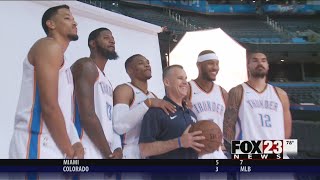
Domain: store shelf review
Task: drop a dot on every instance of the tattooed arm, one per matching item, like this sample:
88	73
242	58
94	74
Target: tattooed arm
85	74
231	113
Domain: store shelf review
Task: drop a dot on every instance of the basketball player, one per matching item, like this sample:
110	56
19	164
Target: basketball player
208	101
207	98
166	136
94	98
258	111
133	100
44	126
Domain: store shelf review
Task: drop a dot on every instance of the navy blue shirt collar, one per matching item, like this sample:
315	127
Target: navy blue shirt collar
183	107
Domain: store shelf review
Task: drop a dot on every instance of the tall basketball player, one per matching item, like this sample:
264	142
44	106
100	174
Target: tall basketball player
94	98
43	122
257	110
207	98
131	101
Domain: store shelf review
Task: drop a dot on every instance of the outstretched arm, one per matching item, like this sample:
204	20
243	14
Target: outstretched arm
231	113
122	98
85	74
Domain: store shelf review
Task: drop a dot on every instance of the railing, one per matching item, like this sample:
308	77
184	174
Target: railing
181	20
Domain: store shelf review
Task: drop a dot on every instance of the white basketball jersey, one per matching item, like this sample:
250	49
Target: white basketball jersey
103	103
131	138
207	106
260	115
31	138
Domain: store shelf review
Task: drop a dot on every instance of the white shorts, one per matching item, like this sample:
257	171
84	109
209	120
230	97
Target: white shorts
131	151
36	146
215	155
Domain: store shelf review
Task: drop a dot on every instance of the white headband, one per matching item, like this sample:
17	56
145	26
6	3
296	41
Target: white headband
206	57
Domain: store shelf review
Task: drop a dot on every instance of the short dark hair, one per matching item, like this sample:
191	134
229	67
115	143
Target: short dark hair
205	52
95	33
250	53
49	14
129	60
168	69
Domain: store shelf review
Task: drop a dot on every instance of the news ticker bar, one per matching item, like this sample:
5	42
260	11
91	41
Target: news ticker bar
154	169
156	162
84	166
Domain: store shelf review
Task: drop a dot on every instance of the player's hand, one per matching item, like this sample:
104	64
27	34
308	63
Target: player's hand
70	154
189	140
117	154
78	150
187	103
166	106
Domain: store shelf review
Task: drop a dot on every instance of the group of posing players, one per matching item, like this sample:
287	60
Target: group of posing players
74	112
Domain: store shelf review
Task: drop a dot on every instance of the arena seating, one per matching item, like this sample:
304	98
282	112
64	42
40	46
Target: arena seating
244	28
239	26
153	15
302	93
303	130
299	23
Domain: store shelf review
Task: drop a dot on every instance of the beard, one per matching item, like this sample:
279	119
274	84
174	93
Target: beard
256	73
206	76
111	55
73	37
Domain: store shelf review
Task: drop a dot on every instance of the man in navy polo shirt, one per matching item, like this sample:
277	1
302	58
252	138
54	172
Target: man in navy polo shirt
166	136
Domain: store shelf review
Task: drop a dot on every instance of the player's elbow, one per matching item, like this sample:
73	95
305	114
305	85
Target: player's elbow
49	110
119	128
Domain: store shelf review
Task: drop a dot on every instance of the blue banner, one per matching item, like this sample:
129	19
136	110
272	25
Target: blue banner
229	9
189	5
289	9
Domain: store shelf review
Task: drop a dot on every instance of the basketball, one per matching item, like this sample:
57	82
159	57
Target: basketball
212	133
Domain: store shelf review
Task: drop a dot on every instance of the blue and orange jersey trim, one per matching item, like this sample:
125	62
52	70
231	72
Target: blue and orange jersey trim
35	125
